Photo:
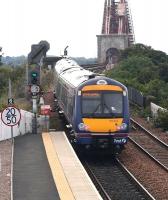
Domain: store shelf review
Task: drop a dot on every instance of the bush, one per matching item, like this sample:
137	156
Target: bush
145	112
17	76
162	120
47	82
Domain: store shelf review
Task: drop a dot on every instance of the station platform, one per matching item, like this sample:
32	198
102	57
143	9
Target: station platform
32	177
47	168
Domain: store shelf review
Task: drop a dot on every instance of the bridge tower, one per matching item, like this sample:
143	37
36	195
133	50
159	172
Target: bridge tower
117	31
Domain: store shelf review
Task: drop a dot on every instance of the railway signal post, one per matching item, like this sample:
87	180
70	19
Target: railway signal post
36	56
35	89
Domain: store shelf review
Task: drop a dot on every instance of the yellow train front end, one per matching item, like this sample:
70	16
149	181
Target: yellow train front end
101	116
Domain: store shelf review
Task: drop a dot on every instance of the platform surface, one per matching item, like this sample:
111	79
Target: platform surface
32	177
70	177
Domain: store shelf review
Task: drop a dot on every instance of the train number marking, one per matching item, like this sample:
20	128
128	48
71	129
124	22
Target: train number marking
120	141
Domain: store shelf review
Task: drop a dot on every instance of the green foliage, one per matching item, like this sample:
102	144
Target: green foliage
17	76
14	61
5	73
145	112
162	120
2	101
158	57
146	70
163	72
154	87
141	50
47	80
134	71
137	49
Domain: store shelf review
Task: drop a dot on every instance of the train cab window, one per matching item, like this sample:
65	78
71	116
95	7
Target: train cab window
113	102
102	104
91	103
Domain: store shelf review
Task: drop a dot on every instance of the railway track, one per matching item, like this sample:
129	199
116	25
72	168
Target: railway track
113	180
150	174
150	144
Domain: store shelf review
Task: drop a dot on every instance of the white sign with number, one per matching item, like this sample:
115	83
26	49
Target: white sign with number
35	89
11	116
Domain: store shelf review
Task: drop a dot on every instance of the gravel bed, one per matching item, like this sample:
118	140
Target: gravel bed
115	181
148	173
157	150
155	131
5	169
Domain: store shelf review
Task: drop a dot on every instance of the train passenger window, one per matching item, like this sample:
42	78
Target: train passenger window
70	105
64	98
58	89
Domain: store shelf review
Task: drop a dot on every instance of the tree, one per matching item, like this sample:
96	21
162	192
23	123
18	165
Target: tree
142	50
163	72
146	70
135	50
162	120
133	69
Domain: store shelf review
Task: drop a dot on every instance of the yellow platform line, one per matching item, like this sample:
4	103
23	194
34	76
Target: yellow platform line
60	180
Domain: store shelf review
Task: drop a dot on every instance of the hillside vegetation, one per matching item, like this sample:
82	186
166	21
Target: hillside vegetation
145	69
14	68
17	76
14	61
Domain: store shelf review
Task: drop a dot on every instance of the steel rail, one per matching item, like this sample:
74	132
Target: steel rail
97	182
135	180
125	173
149	133
147	153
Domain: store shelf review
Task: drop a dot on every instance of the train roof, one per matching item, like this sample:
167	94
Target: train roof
74	74
70	71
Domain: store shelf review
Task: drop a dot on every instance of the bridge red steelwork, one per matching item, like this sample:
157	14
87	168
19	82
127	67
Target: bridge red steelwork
117	19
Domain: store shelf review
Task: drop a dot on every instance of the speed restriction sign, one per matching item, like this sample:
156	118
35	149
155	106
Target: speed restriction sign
11	116
35	89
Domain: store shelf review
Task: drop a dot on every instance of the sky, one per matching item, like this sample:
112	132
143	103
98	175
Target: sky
74	23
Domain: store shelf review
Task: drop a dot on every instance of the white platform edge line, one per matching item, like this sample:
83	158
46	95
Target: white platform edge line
90	181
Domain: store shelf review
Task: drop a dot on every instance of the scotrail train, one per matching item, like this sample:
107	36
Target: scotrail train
96	107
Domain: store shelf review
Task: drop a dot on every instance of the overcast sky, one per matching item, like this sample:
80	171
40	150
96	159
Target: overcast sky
75	23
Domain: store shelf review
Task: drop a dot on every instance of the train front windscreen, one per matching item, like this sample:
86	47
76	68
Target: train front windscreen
103	104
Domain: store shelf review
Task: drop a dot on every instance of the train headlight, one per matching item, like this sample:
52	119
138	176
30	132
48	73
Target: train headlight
122	127
101	82
83	127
